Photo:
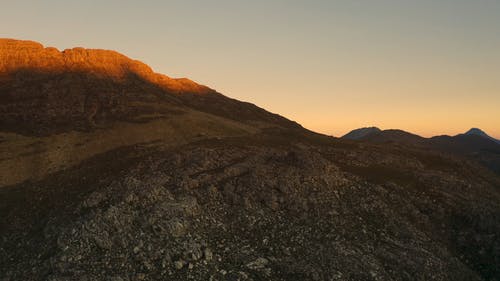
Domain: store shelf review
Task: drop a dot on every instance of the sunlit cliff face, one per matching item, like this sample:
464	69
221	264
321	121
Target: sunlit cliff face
18	55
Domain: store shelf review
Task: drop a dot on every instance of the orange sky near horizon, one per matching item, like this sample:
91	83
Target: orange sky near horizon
428	67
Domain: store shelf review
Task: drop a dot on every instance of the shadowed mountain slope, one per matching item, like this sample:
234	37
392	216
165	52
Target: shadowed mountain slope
474	144
59	108
473	140
465	143
393	135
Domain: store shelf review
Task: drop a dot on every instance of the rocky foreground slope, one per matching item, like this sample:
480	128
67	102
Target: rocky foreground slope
233	197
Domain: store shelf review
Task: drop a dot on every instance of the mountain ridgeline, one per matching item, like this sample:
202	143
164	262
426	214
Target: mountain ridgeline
45	90
474	144
110	171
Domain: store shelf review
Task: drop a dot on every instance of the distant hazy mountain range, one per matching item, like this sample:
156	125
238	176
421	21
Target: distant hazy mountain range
370	132
474	143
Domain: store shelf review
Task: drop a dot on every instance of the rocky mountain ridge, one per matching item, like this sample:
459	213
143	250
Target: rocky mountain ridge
45	91
18	56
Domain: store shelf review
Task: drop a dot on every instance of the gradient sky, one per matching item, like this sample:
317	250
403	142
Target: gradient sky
426	66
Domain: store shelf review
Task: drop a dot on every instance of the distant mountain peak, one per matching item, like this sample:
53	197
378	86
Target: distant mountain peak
475	131
361	133
481	133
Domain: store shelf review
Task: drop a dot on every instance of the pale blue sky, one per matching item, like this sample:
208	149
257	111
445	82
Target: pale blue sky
430	67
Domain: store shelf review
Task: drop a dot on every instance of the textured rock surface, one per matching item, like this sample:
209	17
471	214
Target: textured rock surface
17	56
226	210
45	91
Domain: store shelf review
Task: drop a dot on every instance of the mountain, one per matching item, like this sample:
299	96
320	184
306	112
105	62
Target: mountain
102	100
474	144
360	133
465	143
45	90
477	147
109	171
395	136
479	132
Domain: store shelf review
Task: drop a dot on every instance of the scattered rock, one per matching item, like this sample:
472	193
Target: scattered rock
258	264
208	254
179	264
136	250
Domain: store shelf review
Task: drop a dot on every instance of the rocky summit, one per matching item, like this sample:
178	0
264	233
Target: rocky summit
44	91
110	171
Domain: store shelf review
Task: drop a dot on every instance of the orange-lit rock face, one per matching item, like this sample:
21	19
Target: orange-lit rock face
44	91
16	55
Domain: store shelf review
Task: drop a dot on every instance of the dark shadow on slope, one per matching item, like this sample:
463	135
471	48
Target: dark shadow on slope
42	103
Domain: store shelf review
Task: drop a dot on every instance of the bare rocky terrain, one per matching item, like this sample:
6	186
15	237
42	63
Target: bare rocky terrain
192	185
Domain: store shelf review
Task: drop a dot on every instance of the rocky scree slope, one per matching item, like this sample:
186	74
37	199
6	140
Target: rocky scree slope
281	208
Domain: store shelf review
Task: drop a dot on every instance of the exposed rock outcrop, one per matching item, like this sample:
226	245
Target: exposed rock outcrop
45	91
